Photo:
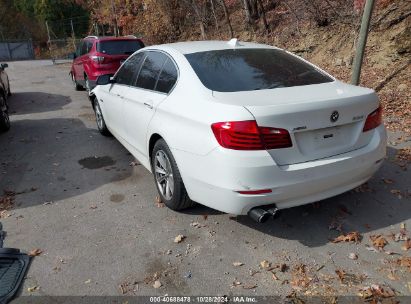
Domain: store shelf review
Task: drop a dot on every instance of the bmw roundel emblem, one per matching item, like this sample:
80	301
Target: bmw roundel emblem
334	116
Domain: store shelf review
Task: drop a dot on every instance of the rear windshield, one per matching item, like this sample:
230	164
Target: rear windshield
119	47
252	69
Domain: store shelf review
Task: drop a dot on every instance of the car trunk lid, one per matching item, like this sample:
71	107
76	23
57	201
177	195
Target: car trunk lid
323	119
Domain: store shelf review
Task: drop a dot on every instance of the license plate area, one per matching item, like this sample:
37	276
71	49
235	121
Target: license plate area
328	137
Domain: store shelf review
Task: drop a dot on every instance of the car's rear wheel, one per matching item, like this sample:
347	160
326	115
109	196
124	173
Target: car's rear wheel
101	124
4	116
168	180
77	87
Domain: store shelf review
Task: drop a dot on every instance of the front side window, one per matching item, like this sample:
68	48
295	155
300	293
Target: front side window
234	70
119	47
167	78
150	70
128	71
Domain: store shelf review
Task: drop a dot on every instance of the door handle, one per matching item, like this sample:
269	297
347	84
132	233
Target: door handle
149	105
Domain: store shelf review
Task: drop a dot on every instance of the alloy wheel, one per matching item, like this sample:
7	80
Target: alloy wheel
164	174
99	116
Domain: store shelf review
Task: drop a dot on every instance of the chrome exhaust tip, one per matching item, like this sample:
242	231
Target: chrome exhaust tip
259	215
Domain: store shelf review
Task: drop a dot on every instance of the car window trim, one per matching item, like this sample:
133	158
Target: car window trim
141	66
133	80
175	65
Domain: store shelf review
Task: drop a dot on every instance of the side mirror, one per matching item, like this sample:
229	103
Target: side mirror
4	65
72	56
105	79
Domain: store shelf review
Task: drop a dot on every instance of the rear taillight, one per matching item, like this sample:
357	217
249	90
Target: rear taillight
373	120
98	59
247	135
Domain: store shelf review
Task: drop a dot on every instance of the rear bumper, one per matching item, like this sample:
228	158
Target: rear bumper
212	179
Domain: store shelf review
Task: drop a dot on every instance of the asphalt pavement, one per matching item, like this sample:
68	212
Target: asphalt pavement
91	209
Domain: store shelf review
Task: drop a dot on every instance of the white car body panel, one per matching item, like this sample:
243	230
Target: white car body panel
308	171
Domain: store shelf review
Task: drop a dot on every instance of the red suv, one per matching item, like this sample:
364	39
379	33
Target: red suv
97	56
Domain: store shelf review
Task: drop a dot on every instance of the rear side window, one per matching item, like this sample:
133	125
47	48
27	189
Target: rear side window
150	70
119	47
234	70
167	78
86	47
128	71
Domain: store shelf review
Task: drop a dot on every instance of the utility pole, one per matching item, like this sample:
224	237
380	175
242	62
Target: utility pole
73	35
362	41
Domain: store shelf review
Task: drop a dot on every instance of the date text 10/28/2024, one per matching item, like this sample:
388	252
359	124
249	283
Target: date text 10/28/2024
202	299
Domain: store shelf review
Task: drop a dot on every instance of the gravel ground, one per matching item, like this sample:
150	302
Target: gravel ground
95	217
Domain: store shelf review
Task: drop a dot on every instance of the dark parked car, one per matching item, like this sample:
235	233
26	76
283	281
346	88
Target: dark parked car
96	56
4	94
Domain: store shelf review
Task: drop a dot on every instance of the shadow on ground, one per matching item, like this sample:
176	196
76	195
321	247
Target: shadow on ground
36	102
367	210
48	160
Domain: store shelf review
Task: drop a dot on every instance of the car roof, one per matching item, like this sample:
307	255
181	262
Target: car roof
212	45
108	38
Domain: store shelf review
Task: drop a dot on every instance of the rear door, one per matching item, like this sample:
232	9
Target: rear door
156	78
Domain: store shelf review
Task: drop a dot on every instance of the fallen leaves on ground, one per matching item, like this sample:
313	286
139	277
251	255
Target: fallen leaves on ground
300	279
33	289
159	203
349	278
387	181
6	203
400	236
363	188
35	252
130	285
249	286
378	241
392	276
374	292
397	193
353	236
179	238
157	284
407	245
405	262
403	157
197	225
265	264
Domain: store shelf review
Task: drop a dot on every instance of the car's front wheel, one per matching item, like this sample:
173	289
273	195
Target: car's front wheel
167	177
4	116
101	123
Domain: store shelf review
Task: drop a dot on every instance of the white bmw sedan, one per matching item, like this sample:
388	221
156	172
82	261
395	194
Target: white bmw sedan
243	128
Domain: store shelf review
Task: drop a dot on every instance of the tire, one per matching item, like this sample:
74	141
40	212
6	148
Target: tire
163	164
101	124
86	84
4	116
77	87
